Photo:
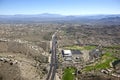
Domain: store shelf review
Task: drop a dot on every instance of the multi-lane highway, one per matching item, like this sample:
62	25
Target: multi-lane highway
53	63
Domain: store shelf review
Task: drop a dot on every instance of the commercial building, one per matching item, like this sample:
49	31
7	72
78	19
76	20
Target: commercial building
72	55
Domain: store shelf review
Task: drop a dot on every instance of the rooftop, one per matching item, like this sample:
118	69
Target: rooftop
67	53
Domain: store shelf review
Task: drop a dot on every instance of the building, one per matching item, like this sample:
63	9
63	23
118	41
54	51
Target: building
116	66
95	54
67	55
72	55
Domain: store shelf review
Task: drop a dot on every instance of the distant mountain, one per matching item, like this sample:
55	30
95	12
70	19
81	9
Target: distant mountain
49	15
46	17
101	16
114	20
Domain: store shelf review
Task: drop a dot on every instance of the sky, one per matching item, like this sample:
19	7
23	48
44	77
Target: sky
63	7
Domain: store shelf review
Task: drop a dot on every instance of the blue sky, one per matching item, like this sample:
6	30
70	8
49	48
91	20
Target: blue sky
64	7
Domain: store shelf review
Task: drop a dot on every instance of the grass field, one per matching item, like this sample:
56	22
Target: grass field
80	47
103	63
69	74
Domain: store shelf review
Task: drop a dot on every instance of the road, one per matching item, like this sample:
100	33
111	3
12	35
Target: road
53	65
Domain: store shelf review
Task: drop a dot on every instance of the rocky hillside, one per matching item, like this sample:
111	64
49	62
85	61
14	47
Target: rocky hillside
90	34
21	61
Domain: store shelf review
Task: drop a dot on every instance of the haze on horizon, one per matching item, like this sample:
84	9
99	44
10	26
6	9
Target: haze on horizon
63	7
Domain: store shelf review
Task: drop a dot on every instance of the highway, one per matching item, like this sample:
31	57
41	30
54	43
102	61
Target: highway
53	65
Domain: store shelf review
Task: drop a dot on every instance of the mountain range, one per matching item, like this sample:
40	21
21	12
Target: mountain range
47	17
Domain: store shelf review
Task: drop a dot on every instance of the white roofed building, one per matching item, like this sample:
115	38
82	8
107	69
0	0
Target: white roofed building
67	55
72	55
